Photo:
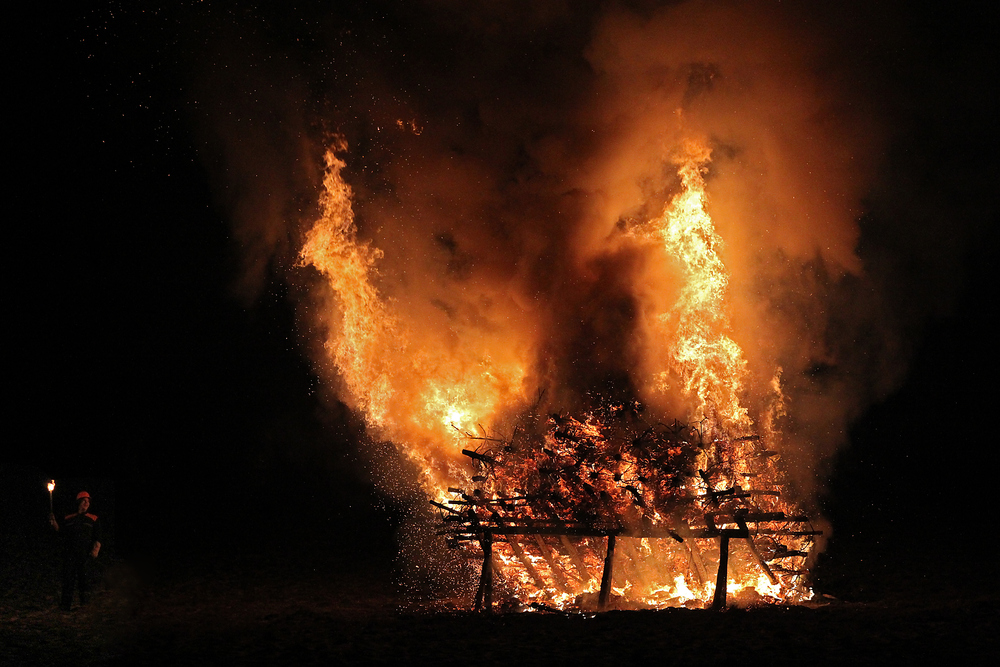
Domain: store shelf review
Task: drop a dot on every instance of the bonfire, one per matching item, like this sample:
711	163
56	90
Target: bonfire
616	505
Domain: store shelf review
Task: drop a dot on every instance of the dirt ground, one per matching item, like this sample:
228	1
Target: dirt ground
305	606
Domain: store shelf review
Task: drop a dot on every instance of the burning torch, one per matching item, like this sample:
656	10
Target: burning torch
52	515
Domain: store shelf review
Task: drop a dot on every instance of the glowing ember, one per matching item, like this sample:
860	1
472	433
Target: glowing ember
546	500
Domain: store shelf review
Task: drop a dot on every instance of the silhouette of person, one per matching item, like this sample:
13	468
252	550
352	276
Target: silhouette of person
81	538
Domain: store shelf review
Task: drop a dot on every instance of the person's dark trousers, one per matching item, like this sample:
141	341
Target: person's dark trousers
74	575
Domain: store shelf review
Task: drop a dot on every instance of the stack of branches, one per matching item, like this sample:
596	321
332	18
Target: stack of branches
602	473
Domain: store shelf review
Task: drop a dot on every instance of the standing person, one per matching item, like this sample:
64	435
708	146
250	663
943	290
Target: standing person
81	535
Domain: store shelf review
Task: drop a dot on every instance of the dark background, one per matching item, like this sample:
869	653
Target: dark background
192	415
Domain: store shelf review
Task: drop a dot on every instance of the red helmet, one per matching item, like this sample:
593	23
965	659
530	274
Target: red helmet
82	495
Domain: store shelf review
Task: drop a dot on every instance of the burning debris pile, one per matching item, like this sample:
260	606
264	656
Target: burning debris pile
612	511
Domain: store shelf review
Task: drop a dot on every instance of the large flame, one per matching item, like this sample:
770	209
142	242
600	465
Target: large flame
697	351
414	391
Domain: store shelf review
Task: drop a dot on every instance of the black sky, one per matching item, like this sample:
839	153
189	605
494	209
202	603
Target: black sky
138	361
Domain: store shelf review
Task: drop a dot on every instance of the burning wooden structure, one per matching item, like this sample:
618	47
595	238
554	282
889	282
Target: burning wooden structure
554	502
605	504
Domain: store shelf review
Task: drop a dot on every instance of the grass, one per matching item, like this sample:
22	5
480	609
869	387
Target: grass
307	605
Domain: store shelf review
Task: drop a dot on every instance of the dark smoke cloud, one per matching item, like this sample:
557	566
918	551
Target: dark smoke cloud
497	150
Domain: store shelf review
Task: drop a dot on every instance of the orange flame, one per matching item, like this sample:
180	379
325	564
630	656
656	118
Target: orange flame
709	365
411	390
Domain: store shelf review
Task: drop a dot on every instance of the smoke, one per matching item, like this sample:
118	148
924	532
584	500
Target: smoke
500	156
793	154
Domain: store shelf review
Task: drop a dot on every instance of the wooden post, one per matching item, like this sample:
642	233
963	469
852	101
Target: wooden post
609	559
722	579
486	577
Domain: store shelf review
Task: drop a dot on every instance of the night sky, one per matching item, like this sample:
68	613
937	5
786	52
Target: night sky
144	368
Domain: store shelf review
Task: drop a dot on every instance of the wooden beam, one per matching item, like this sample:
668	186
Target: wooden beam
445	507
574	555
557	575
696	561
479	457
519	552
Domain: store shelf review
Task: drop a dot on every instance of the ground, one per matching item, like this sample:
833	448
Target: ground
312	604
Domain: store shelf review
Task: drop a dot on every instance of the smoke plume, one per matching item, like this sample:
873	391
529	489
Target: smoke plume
501	160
